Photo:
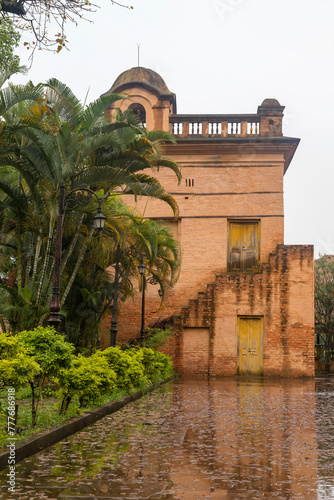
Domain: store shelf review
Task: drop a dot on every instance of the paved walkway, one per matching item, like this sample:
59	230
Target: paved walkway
195	439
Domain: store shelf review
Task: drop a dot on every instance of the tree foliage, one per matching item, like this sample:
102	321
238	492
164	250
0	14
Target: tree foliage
30	357
51	353
17	368
324	307
9	40
47	138
156	364
48	349
41	17
127	366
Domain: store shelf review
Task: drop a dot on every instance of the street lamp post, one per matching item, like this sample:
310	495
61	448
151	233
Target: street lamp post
113	326
141	269
132	251
80	196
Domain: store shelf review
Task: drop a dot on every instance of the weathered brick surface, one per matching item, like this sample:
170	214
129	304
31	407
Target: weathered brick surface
243	189
282	294
226	186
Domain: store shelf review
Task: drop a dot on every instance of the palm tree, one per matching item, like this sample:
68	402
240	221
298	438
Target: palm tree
59	141
92	292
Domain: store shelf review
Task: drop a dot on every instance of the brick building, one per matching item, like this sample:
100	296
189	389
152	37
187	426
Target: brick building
244	300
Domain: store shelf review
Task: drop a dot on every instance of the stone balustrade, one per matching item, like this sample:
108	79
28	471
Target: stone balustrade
266	122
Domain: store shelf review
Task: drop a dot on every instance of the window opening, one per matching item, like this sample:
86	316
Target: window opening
139	110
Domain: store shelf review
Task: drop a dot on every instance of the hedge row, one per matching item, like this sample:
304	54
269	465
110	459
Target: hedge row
32	358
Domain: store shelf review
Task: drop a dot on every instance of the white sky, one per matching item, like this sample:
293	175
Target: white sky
225	56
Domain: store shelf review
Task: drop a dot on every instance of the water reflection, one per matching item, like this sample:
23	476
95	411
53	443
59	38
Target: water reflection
325	437
196	439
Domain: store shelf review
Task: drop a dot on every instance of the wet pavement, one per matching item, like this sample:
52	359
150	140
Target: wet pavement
197	439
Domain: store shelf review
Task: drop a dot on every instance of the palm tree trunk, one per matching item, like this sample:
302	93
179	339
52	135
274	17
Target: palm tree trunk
29	260
73	243
19	258
19	241
46	260
77	265
37	252
48	290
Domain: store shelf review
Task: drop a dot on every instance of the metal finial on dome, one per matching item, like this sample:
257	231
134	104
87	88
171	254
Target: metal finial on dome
138	46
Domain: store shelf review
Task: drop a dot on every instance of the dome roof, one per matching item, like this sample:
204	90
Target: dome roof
270	102
270	106
143	77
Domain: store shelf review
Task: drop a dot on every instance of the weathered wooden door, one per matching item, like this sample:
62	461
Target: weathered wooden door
244	247
250	345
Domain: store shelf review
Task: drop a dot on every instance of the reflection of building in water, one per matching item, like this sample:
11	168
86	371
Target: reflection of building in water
213	439
244	300
325	437
250	439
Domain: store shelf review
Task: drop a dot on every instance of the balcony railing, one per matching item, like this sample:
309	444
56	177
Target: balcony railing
215	126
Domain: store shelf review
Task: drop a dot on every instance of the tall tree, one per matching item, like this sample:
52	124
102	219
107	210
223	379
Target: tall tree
324	307
59	141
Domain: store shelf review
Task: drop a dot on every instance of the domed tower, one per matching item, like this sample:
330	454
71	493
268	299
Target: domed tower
147	95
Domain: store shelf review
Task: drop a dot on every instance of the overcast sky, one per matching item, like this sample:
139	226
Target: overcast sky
225	56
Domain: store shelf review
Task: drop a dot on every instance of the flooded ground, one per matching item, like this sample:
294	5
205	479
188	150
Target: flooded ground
197	439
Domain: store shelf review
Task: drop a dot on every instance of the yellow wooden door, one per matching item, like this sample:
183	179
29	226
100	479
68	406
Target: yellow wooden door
250	345
244	246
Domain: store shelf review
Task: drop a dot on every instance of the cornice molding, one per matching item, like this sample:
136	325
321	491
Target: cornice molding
244	146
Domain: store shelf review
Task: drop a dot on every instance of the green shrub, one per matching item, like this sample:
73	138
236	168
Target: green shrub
17	368
87	379
48	348
129	369
156	365
51	352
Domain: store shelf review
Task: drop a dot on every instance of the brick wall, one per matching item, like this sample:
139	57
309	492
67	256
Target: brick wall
239	189
282	294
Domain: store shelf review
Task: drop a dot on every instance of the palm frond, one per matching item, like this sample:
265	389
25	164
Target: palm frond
63	102
12	95
94	110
